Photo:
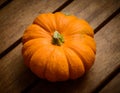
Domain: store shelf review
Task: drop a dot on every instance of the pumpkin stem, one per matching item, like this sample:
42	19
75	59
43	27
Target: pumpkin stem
57	38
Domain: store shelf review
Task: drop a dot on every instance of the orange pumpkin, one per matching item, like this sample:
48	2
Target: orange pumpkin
58	47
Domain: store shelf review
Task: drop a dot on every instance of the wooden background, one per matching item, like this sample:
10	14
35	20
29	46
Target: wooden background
103	16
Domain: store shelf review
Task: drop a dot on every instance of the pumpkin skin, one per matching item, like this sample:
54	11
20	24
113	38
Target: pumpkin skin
59	62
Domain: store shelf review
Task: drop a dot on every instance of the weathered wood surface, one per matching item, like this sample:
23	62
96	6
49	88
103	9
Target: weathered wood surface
113	86
94	11
17	15
107	60
15	76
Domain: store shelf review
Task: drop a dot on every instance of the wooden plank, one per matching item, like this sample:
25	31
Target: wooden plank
14	76
12	27
107	60
16	16
113	86
94	11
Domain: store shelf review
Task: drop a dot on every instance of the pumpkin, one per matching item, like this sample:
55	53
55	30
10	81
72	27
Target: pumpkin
58	47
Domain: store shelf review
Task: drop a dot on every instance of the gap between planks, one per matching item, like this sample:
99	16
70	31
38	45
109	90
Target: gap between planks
107	20
107	80
113	86
4	3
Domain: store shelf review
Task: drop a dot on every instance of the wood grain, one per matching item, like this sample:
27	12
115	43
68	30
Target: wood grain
94	11
16	16
12	27
14	76
113	86
107	60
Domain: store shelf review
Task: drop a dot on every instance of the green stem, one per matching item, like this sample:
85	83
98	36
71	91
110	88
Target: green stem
57	38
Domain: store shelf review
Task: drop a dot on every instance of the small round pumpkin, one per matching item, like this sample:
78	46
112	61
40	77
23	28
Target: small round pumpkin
58	47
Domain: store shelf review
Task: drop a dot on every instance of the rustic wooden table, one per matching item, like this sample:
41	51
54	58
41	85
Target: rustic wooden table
104	17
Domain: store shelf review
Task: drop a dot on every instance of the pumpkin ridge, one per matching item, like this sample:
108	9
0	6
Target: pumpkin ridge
81	26
46	64
39	61
34	39
46	21
80	57
67	62
42	27
84	61
59	17
42	76
88	41
31	34
26	44
60	63
70	72
68	66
